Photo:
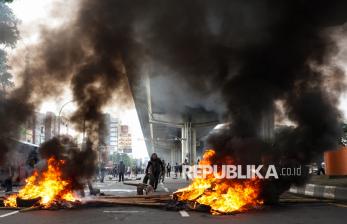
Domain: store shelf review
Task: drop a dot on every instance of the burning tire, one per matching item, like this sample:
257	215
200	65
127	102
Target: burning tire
27	202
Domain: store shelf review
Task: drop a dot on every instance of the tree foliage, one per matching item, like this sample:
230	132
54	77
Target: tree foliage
7	1
9	35
5	76
127	160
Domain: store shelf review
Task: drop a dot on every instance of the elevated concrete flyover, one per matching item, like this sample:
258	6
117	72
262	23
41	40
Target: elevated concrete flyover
175	117
174	130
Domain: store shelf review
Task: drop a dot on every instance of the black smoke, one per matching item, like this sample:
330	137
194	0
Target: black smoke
251	52
79	165
14	112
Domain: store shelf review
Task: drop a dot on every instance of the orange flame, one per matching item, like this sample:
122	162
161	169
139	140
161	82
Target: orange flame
222	195
49	186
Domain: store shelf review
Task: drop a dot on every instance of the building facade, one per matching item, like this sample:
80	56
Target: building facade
109	135
125	142
114	130
42	127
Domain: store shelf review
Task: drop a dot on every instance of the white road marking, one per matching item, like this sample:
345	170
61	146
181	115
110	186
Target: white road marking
184	213
122	211
8	214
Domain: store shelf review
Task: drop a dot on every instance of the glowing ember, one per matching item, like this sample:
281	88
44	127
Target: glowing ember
222	195
48	186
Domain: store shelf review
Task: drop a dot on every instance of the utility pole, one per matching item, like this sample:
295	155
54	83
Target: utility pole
59	115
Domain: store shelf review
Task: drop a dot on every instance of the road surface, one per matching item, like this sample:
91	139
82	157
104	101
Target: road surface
295	210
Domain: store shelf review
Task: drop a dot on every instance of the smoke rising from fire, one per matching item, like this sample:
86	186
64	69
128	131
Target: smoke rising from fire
251	52
79	164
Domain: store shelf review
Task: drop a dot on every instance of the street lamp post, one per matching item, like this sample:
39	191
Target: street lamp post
59	117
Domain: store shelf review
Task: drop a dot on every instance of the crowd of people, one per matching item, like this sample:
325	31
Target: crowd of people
155	172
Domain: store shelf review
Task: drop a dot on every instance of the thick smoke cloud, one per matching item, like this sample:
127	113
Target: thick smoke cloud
13	113
79	164
251	52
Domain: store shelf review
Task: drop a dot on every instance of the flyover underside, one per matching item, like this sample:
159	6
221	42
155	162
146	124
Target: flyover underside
175	136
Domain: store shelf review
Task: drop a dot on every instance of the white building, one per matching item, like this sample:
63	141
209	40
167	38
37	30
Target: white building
113	133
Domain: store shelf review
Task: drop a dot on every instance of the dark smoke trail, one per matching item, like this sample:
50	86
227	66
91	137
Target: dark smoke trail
253	52
79	165
13	113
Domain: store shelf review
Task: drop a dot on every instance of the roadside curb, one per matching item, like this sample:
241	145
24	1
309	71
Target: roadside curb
321	191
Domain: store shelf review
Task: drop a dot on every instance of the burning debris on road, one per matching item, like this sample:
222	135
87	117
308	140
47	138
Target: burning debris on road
60	180
47	188
221	195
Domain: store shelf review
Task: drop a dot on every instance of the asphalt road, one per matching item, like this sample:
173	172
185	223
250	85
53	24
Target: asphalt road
294	210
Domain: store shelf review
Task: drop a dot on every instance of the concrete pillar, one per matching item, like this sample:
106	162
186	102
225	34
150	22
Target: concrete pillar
188	143
267	124
184	142
192	151
175	155
34	129
149	107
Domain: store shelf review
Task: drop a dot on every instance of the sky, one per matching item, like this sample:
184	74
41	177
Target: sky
33	15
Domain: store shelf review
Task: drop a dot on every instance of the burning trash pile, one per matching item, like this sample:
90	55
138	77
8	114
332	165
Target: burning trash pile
222	196
61	183
46	189
59	178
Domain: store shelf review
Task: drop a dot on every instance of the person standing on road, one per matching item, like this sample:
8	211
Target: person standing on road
321	168
162	174
102	172
186	163
168	170
115	171
121	171
180	167
135	171
153	171
176	170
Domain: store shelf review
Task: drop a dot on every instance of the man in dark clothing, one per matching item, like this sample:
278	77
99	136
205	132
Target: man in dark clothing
180	167
321	168
115	171
121	171
176	170
153	170
162	174
102	172
168	170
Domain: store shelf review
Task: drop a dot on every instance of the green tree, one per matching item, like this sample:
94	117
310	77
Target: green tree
5	76
127	160
9	35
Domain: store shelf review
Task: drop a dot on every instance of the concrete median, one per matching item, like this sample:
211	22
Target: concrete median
321	191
